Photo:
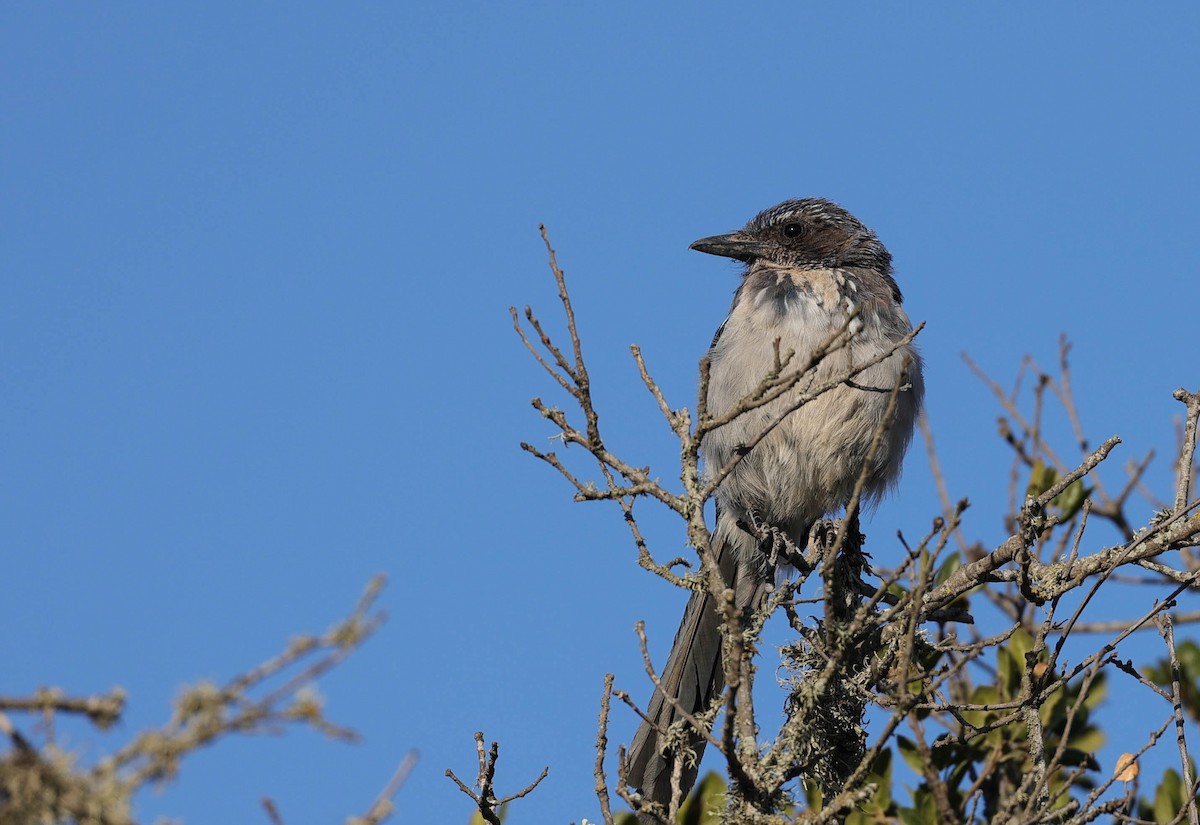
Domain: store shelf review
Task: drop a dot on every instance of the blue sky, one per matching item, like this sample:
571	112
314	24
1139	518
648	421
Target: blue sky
254	341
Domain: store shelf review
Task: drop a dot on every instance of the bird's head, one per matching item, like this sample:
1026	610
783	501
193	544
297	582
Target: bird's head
806	233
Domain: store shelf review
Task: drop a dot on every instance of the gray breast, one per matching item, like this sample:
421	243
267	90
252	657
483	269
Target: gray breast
808	464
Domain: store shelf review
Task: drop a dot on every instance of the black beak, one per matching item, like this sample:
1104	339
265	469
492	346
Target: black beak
734	245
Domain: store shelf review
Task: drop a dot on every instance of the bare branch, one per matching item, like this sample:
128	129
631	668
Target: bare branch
1187	454
485	799
1185	763
601	746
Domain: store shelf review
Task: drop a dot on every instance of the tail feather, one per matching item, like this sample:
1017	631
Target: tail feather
695	676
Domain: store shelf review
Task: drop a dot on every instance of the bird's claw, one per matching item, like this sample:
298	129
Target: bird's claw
776	546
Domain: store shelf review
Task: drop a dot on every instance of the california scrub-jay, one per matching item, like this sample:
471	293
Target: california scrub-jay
810	265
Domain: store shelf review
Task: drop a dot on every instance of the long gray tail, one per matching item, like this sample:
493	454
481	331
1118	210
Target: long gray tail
694	676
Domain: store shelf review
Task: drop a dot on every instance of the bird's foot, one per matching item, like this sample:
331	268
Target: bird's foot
776	546
821	538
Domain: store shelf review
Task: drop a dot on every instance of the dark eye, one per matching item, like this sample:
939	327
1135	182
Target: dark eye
793	230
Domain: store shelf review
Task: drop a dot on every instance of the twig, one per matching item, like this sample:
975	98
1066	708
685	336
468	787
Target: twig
939	478
1185	764
1183	482
102	711
382	807
1120	624
272	812
485	800
601	747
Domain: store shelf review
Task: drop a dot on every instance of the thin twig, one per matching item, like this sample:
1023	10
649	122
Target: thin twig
382	807
601	747
1185	763
1191	401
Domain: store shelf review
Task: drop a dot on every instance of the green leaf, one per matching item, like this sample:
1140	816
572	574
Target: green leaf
1168	798
924	810
964	762
1071	499
982	695
1096	693
1051	710
1011	661
706	802
813	796
1041	478
952	563
1076	758
881	776
912	757
1089	741
1188	654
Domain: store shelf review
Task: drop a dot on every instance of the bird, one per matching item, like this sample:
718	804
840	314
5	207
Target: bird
810	269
